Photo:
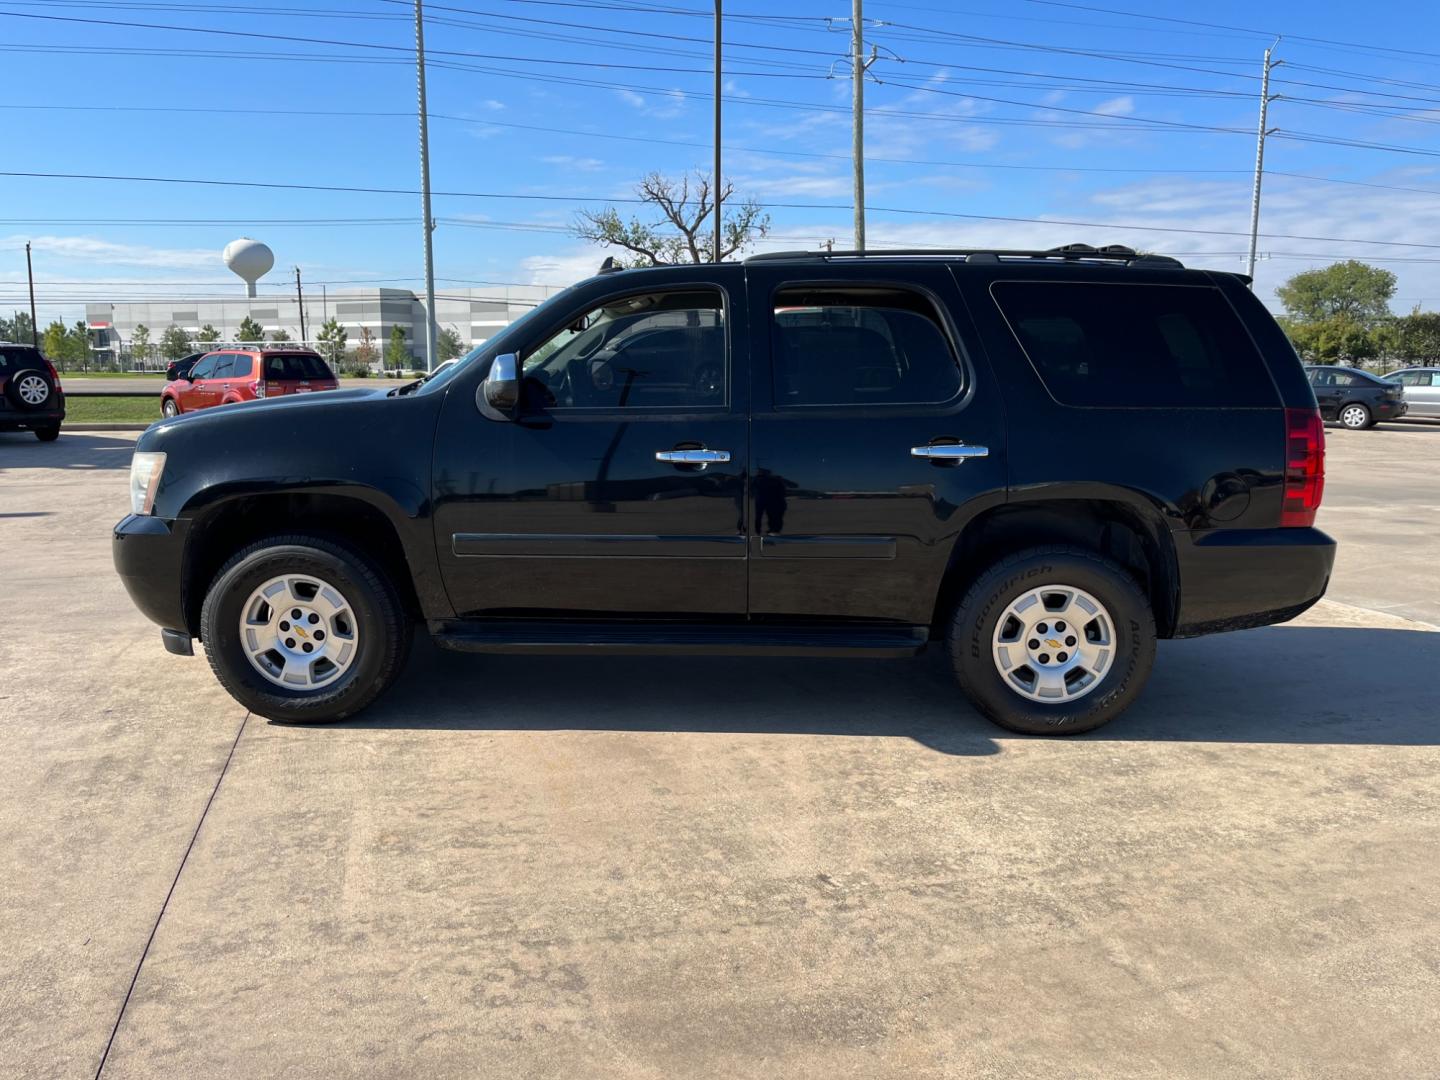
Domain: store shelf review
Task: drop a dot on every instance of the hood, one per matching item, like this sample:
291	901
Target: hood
290	412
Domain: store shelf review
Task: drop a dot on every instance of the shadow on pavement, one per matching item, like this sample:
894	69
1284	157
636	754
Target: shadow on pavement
21	450
1305	685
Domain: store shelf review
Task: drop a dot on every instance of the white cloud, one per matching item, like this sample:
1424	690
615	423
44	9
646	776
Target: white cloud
1120	106
580	164
93	251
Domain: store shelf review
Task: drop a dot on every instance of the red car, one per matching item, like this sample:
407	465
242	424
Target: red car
230	375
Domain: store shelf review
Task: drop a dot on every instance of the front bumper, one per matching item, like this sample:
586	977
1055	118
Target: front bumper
1232	579
149	554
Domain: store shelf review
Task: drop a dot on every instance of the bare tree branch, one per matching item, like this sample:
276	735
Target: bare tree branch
684	231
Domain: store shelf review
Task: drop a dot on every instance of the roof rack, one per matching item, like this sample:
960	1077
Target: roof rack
254	346
1112	253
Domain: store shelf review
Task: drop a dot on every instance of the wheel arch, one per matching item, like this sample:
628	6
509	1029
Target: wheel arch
1122	525
349	520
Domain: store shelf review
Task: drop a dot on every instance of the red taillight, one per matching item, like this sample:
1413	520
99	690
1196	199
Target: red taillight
258	388
55	375
1304	467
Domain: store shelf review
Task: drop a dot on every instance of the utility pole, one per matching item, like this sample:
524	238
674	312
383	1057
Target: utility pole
1260	157
719	86
30	273
857	76
428	222
300	303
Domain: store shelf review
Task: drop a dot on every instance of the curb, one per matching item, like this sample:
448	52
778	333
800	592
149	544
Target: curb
103	427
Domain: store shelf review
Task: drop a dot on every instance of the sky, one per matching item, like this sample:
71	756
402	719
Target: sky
989	123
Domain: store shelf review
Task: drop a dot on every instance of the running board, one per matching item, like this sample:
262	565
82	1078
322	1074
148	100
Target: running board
678	639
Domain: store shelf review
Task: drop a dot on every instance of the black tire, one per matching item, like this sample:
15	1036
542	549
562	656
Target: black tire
384	630
1365	425
48	434
27	377
972	628
169	408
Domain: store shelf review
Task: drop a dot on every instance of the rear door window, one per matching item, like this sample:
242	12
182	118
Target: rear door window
203	368
1155	346
242	366
860	346
224	365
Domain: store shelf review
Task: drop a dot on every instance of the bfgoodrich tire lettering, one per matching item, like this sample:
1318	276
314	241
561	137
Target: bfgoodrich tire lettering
972	634
384	632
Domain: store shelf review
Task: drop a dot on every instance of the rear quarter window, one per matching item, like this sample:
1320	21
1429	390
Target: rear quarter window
1129	346
295	367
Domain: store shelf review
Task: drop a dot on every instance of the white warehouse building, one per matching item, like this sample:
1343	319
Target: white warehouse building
474	314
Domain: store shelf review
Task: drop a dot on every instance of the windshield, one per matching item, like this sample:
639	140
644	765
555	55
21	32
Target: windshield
506	340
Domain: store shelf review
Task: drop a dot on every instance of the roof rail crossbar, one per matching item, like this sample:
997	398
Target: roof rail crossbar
1114	253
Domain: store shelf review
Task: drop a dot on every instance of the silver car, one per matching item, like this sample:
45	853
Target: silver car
1422	390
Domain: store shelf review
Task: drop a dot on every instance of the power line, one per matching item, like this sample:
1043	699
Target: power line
906	211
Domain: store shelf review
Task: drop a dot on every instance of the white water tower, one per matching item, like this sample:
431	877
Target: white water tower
250	259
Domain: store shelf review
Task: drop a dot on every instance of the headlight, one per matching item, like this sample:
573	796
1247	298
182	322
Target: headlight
145	470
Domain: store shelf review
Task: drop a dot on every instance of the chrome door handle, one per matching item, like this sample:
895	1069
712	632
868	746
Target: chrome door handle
949	452
692	457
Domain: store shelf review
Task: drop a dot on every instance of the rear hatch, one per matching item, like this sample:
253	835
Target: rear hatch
296	373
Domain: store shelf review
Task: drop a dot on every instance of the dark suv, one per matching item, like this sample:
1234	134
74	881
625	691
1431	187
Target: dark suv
1044	460
31	398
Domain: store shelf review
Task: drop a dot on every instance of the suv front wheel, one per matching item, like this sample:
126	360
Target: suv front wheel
1053	641
300	628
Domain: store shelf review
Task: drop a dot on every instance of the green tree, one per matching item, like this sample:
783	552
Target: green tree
1417	337
1351	289
77	345
332	338
1338	339
52	344
396	355
174	343
207	335
280	335
250	330
448	345
684	232
140	342
16	328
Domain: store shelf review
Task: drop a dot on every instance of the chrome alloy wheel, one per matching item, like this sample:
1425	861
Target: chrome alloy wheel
1054	643
1354	416
299	632
32	390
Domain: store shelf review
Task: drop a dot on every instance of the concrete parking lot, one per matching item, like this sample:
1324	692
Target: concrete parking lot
525	867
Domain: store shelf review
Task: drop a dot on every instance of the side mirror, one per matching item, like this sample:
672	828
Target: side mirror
499	395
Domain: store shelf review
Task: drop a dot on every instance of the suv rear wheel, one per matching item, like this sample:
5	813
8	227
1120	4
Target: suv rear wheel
300	628
1053	641
30	390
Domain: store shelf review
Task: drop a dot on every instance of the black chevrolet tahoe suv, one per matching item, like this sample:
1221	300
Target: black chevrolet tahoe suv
1045	461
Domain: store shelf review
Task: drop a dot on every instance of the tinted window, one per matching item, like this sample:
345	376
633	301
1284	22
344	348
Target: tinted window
1135	345
647	350
224	365
241	366
18	357
295	367
859	347
203	368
